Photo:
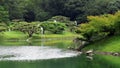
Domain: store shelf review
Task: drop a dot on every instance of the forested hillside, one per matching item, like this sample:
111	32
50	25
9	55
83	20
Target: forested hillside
41	10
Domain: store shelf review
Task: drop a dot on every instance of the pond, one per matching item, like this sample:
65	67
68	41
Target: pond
50	54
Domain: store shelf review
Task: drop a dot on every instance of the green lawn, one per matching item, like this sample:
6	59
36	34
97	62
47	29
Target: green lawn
21	36
64	35
13	35
111	44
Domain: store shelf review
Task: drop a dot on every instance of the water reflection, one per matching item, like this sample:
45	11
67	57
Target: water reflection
82	61
41	42
99	61
33	53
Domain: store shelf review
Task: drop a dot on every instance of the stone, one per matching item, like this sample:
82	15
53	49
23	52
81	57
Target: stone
89	52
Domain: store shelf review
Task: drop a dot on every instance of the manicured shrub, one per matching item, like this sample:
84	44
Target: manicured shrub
56	28
29	28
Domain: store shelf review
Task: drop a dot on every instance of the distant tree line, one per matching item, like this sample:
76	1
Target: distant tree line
41	10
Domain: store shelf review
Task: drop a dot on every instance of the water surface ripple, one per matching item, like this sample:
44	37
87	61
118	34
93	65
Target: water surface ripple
33	53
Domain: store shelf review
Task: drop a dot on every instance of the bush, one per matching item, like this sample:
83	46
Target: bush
62	19
3	27
56	28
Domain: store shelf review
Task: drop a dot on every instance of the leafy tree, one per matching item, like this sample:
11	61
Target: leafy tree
41	10
4	16
35	9
29	28
15	8
88	33
99	27
80	9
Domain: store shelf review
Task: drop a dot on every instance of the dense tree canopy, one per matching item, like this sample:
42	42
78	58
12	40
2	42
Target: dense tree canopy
4	16
41	10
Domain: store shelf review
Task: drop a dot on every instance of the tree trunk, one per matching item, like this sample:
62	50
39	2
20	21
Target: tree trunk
80	47
30	34
43	31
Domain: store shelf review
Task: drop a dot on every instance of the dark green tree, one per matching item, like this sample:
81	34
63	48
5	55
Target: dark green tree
4	15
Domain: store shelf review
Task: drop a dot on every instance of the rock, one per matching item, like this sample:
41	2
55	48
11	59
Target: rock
89	52
116	54
89	57
79	53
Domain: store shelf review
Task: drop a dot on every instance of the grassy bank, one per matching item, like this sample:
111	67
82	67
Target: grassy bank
15	35
14	38
111	44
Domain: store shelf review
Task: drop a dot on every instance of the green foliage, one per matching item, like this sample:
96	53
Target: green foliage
15	8
4	15
85	31
62	19
90	33
99	27
80	9
41	10
55	28
110	44
3	27
117	23
29	28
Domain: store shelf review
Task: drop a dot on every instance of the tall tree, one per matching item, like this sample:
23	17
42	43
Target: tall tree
15	8
4	16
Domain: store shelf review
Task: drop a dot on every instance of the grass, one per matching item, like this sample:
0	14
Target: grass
18	38
16	35
64	35
111	44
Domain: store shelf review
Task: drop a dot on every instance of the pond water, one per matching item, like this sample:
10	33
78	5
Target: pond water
50	54
33	53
